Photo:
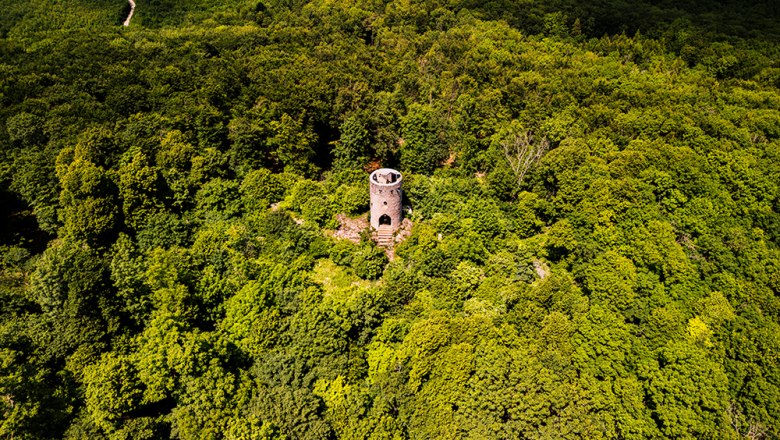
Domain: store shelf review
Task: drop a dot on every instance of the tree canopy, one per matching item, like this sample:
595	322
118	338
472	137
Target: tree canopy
594	189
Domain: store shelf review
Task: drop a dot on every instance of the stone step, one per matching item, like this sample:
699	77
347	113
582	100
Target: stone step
385	240
385	236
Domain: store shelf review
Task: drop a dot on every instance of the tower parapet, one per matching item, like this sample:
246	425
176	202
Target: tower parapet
386	198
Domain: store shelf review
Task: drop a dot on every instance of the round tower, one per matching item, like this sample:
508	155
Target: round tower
386	198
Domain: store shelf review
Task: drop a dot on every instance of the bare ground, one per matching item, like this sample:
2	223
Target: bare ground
350	228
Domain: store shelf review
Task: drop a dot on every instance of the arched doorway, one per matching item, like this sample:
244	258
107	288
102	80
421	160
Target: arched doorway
385	220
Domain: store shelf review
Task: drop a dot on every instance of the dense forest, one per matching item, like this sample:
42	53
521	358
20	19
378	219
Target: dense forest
594	189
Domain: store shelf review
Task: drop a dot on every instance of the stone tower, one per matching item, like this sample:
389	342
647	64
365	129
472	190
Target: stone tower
386	199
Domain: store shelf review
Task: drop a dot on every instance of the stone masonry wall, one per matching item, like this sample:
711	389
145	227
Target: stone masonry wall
386	198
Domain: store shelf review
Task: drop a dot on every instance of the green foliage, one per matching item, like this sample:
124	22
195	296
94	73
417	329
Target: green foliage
303	191
68	278
594	197
251	319
351	150
315	210
25	130
293	143
88	201
218	199
112	391
140	191
259	189
421	150
163	229
351	199
369	262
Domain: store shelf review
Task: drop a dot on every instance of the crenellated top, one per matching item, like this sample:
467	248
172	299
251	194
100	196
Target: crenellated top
386	177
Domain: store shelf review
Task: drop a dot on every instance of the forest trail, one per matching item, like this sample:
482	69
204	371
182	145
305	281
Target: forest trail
130	14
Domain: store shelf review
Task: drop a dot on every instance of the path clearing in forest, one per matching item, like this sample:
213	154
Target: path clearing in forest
130	15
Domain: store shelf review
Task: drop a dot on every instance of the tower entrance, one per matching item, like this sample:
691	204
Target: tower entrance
384	219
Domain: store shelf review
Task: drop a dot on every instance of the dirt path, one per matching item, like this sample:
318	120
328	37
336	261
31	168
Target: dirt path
130	15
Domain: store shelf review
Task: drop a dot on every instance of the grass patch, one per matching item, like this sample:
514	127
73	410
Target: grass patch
337	280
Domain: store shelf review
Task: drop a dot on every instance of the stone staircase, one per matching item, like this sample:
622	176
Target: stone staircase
384	236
